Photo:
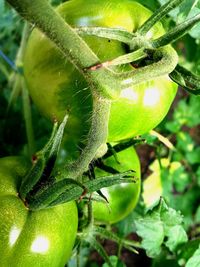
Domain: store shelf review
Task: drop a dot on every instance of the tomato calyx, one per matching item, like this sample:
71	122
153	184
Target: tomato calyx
41	189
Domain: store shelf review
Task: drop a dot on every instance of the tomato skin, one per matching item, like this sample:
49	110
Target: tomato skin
57	87
124	197
32	238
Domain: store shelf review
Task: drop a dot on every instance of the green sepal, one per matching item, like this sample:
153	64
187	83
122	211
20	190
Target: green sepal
45	196
94	197
122	146
43	163
52	146
32	177
93	186
106	168
186	79
106	181
91	175
68	189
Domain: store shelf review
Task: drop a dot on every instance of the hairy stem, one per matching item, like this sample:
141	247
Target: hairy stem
176	33
167	61
96	138
158	15
120	35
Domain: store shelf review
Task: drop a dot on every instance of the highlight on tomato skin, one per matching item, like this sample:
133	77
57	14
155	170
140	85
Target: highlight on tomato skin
32	238
122	198
56	87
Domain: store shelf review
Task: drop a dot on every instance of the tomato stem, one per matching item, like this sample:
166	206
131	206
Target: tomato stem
96	138
129	244
164	60
90	219
42	15
124	59
176	33
103	80
120	35
99	248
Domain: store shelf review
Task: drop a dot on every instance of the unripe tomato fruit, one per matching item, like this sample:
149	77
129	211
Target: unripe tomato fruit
32	238
122	198
57	87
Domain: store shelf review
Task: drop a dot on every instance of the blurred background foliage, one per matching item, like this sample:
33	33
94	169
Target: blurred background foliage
170	155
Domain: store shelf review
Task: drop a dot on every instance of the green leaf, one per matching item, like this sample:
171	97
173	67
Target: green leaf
187	113
186	251
180	178
158	227
149	139
184	142
151	229
195	32
185	9
153	4
186	204
194	261
127	226
193	156
173	126
175	233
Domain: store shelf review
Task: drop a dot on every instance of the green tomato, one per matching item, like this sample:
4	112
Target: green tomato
124	197
56	87
32	238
